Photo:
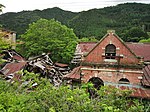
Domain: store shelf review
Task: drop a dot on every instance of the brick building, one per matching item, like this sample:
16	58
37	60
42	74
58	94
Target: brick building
113	62
9	36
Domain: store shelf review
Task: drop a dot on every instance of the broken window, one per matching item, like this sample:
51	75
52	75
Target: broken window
110	51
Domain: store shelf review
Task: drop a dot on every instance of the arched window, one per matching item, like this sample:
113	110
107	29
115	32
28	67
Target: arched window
97	82
124	81
110	51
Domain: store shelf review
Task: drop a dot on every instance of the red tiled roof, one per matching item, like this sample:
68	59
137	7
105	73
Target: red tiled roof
140	49
86	46
11	68
75	74
138	92
146	76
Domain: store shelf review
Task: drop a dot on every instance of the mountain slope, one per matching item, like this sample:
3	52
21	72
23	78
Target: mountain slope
121	17
19	21
94	22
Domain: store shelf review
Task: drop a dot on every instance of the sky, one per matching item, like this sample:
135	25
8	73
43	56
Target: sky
70	5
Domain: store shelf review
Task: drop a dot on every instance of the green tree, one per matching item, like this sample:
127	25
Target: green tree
1	7
145	40
88	39
17	97
49	36
135	34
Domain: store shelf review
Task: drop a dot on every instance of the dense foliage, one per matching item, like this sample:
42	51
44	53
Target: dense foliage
146	40
19	21
17	97
46	36
94	22
135	34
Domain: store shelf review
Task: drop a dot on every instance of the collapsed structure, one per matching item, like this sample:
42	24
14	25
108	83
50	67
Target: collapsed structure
113	62
42	65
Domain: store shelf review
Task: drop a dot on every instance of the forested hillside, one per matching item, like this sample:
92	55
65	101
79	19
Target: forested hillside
124	18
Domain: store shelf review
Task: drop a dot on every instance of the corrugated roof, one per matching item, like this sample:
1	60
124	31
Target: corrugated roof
12	68
146	76
140	49
138	92
74	74
86	46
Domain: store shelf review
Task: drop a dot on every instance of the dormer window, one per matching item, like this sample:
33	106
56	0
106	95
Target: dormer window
110	51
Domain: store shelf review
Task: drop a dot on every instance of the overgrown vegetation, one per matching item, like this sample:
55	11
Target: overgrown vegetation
3	45
49	35
23	97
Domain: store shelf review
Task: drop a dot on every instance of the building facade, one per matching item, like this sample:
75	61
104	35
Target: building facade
110	62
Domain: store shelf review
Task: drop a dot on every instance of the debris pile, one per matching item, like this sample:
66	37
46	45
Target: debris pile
13	63
44	66
41	65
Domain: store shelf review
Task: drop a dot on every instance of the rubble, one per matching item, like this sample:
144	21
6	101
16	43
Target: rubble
41	65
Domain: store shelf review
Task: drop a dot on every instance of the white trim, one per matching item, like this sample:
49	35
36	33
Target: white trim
109	70
110	60
117	48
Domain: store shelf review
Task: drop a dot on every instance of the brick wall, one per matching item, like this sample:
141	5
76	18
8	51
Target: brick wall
112	74
96	54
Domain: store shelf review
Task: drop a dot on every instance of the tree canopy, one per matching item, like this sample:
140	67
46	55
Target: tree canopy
94	22
46	36
135	34
17	97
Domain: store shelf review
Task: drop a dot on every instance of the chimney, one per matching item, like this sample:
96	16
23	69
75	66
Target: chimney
110	31
13	40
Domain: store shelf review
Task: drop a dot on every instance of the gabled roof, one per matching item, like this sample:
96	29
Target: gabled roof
113	33
140	49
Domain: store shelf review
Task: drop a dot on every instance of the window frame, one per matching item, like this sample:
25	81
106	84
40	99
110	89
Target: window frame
110	51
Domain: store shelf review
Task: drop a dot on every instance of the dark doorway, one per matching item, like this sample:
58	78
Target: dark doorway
97	82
